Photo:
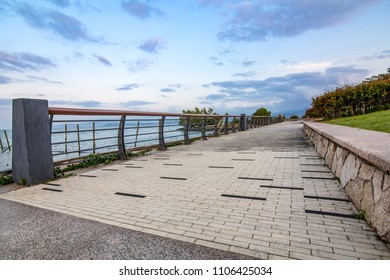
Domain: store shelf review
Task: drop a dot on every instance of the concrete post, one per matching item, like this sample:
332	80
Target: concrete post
243	122
32	160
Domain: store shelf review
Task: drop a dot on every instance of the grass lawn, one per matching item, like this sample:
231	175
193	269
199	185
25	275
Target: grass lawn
378	121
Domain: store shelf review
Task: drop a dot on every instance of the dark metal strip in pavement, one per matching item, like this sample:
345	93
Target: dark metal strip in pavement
247	153
212	166
90	176
330	214
314	164
288	157
311	157
130	194
109	169
242	196
326	198
243	159
53	190
173	178
140	160
320	171
162	158
280	187
127	164
52	184
134	166
195	154
332	178
250	178
173	164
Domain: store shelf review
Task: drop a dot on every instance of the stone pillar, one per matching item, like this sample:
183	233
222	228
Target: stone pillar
32	160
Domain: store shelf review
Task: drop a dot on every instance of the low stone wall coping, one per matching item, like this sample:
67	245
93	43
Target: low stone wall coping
372	146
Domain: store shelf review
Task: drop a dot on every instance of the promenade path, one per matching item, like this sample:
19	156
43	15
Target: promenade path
258	194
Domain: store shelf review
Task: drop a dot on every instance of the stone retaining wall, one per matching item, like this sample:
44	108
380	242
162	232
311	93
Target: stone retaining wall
367	185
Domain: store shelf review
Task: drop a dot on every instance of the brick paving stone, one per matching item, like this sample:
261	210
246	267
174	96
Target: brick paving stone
194	211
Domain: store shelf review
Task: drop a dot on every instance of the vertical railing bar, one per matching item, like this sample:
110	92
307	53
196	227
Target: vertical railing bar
78	138
136	135
233	124
204	137
6	139
93	138
226	125
216	121
186	127
161	140
66	138
1	144
51	122
121	138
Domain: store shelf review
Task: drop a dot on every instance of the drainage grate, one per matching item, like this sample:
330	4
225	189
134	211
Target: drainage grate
89	176
251	178
330	214
130	194
326	198
174	178
134	166
173	164
109	169
281	187
243	159
51	184
229	167
321	178
245	197
52	190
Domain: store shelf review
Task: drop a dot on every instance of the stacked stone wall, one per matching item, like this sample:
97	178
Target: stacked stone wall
367	185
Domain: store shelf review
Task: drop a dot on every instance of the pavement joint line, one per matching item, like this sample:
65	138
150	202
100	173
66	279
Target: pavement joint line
325	213
51	184
50	189
326	198
109	169
173	178
281	187
252	178
130	194
323	178
243	196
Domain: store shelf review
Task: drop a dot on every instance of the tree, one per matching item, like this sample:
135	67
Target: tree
262	112
198	121
294	117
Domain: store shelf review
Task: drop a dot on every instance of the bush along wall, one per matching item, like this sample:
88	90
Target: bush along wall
350	100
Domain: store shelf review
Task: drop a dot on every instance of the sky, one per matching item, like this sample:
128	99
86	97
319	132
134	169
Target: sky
173	55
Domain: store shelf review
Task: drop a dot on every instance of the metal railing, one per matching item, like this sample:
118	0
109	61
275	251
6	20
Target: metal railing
119	131
5	145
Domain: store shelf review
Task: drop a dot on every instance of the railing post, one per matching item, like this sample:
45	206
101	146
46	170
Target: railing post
186	128
243	122
216	133
32	160
204	137
233	125
226	125
121	138
257	121
161	141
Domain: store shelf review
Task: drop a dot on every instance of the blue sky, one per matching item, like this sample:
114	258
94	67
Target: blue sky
167	55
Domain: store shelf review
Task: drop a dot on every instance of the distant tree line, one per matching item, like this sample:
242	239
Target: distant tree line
371	95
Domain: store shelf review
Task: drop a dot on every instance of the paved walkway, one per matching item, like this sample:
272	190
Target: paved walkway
263	193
